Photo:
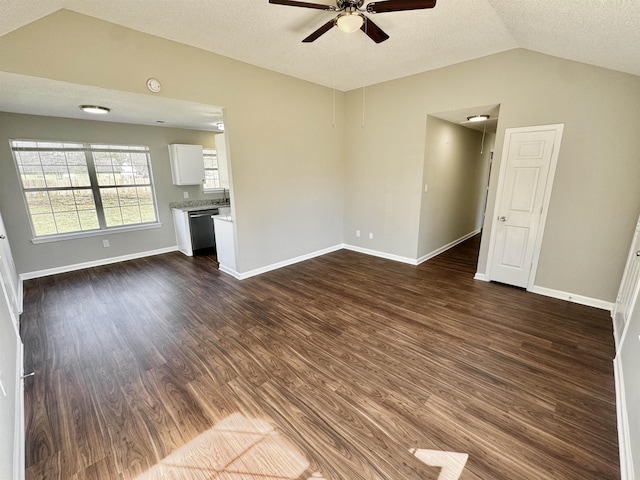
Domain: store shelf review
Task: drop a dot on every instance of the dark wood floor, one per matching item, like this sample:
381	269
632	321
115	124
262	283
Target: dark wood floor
333	368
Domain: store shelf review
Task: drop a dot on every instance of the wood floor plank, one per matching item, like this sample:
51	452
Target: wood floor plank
333	368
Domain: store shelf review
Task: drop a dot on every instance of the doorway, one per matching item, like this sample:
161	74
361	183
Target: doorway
456	169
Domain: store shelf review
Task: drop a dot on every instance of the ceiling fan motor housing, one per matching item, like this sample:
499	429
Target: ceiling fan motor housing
349	4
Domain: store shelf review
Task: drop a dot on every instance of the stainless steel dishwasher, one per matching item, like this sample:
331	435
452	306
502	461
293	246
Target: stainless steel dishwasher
201	226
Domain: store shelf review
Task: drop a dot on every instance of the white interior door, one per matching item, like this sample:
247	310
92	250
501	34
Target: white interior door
8	273
528	163
629	288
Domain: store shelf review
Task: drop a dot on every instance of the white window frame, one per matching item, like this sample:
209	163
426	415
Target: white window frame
88	148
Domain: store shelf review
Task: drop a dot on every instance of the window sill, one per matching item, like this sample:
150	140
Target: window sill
214	190
93	233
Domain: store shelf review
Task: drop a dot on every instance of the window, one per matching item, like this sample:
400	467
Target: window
211	172
80	187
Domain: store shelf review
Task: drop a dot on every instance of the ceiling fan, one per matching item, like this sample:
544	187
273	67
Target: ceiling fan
351	15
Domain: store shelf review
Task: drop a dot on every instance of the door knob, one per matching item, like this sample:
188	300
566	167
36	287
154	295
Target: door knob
638	253
502	219
2	237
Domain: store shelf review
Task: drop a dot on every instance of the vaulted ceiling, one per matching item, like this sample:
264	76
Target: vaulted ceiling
599	32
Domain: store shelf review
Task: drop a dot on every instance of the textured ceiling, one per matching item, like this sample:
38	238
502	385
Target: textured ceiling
40	96
599	32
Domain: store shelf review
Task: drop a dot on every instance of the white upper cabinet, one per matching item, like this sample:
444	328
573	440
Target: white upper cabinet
187	165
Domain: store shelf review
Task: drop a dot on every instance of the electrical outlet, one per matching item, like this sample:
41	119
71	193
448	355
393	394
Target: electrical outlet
370	235
185	194
105	243
357	233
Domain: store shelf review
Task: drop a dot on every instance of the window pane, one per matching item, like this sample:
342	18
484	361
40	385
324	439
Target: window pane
109	197
84	200
211	179
79	176
210	162
32	177
88	219
52	158
38	202
128	196
131	215
28	158
56	176
62	200
147	213
141	174
67	222
113	217
145	196
44	224
139	159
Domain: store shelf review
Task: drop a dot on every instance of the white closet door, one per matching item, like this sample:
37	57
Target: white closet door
629	288
8	274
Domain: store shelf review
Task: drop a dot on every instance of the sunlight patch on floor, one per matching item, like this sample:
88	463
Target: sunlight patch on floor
451	463
236	448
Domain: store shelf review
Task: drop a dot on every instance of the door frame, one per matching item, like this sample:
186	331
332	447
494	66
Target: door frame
559	129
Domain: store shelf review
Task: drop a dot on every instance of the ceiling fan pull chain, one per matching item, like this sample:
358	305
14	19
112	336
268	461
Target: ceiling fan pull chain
364	82
333	72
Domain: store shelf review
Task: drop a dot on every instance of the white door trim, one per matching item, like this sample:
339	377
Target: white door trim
559	128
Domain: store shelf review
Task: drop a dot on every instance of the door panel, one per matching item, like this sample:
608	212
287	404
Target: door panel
515	242
528	157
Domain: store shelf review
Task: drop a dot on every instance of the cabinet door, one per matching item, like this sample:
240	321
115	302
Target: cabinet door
187	164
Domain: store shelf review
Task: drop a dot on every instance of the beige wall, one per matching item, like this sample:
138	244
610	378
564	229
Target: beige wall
29	257
595	200
455	171
285	154
298	182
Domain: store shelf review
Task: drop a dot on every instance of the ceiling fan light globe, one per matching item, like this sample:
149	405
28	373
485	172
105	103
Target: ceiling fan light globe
350	22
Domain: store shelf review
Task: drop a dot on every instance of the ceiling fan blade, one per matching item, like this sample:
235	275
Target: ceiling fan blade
398	5
321	31
293	3
374	32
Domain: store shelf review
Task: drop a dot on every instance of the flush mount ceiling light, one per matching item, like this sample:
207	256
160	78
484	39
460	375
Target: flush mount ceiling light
350	22
478	118
95	109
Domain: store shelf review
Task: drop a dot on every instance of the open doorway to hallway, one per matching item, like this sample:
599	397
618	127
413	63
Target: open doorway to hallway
457	163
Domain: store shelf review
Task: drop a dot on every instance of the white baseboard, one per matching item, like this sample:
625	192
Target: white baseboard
572	297
443	249
229	271
481	276
376	253
284	263
624	442
94	263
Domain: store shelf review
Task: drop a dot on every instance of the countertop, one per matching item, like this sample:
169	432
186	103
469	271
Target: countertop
194	205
